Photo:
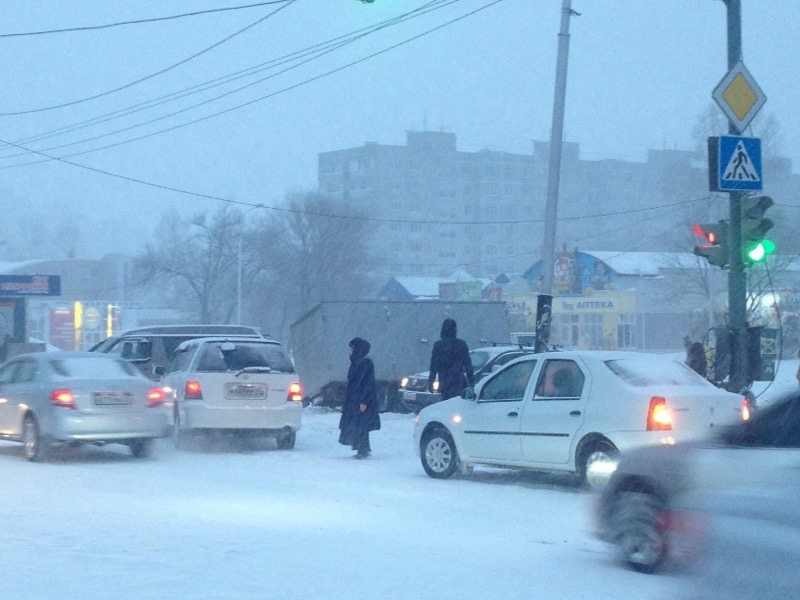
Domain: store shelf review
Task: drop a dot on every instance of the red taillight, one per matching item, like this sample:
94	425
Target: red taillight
745	410
192	390
658	416
62	398
155	397
295	392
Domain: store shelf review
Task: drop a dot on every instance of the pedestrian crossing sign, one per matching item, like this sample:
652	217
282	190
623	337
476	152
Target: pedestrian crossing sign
734	163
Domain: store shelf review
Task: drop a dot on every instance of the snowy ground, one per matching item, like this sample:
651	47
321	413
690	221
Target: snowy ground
245	520
238	520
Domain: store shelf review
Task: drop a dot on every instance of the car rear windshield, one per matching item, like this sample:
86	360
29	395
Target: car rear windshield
101	367
645	373
230	356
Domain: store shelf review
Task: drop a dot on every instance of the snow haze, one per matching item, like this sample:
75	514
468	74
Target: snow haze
112	126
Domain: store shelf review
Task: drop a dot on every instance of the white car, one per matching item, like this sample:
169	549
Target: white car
572	411
242	384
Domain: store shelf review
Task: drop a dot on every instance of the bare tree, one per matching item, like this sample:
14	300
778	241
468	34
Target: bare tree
315	250
196	261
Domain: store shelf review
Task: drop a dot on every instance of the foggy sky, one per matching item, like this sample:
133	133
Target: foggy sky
640	75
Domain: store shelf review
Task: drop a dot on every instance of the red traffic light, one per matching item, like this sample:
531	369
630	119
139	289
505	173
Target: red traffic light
711	236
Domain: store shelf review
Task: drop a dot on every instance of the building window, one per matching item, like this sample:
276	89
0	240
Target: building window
593	330
626	330
567	330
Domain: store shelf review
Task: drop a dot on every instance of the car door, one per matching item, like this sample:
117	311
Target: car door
6	396
491	423
550	420
18	393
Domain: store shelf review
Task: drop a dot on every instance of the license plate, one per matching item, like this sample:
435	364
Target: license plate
409	396
246	391
112	398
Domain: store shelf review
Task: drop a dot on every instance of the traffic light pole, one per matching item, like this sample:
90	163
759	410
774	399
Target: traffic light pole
737	285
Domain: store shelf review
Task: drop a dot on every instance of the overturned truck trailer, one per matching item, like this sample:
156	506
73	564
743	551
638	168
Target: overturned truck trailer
401	335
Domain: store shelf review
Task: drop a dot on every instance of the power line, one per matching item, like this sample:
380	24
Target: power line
156	74
315	52
330	215
250	102
139	21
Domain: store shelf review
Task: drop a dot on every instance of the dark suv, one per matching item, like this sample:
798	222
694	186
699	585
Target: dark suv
414	392
150	347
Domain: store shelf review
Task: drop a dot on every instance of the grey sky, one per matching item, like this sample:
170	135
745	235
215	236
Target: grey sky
640	74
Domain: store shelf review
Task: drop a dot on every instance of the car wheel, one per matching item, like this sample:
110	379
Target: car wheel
597	462
35	445
438	454
142	448
638	531
286	439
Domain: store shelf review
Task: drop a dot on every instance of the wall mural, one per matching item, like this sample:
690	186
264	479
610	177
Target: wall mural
574	273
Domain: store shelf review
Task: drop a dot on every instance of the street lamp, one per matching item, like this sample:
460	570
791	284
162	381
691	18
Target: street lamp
239	270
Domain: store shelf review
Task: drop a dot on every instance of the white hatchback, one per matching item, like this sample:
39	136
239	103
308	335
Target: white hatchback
240	384
572	411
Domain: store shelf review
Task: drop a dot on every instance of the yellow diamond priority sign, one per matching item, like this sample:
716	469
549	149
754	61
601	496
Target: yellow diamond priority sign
739	96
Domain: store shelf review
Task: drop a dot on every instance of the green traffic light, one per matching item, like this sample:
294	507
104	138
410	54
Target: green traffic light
758	253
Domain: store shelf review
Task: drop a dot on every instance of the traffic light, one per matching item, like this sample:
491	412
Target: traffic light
715	248
755	226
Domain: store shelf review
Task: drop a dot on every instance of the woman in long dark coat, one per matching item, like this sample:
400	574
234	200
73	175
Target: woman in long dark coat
360	408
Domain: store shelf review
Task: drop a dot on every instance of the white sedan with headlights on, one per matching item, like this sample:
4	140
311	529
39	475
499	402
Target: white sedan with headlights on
573	412
229	384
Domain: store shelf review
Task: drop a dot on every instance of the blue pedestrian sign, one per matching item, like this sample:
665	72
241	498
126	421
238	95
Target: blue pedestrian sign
734	164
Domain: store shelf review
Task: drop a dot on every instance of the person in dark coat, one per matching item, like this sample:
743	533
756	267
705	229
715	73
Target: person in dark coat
696	358
450	362
360	408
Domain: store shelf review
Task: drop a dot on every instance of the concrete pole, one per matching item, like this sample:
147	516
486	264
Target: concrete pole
543	307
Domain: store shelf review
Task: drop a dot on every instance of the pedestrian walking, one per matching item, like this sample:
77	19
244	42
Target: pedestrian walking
450	362
360	408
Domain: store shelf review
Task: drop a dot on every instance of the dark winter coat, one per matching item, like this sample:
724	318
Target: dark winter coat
450	362
361	389
696	358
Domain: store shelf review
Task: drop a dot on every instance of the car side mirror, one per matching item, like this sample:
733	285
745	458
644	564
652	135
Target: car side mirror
468	394
159	370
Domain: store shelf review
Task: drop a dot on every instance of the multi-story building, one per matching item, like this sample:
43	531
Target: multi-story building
437	208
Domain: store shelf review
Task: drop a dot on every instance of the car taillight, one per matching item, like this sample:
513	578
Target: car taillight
295	392
745	410
62	398
658	416
155	397
192	390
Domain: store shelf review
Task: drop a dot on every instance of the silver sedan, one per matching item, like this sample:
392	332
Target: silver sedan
52	398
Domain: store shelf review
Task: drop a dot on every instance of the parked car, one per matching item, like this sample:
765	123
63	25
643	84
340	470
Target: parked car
151	347
51	398
573	412
414	388
734	495
234	384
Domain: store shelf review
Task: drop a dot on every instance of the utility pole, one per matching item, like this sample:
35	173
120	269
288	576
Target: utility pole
737	284
545	299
